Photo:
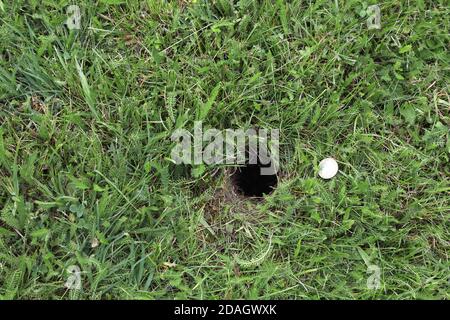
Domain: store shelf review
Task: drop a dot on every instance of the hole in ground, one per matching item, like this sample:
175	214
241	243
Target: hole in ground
249	181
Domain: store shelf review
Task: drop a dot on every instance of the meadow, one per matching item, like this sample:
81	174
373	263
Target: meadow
86	179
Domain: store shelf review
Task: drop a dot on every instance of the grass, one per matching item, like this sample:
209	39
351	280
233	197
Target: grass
85	124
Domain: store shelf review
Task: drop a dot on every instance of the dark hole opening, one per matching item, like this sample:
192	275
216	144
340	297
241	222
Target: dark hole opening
249	181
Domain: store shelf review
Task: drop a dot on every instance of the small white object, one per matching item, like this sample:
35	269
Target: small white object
328	168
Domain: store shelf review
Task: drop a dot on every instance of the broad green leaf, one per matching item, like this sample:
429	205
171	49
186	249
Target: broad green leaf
205	108
40	233
405	49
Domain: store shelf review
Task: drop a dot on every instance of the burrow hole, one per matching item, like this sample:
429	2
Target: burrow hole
249	181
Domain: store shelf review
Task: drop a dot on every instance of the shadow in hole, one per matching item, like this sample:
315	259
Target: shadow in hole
249	181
